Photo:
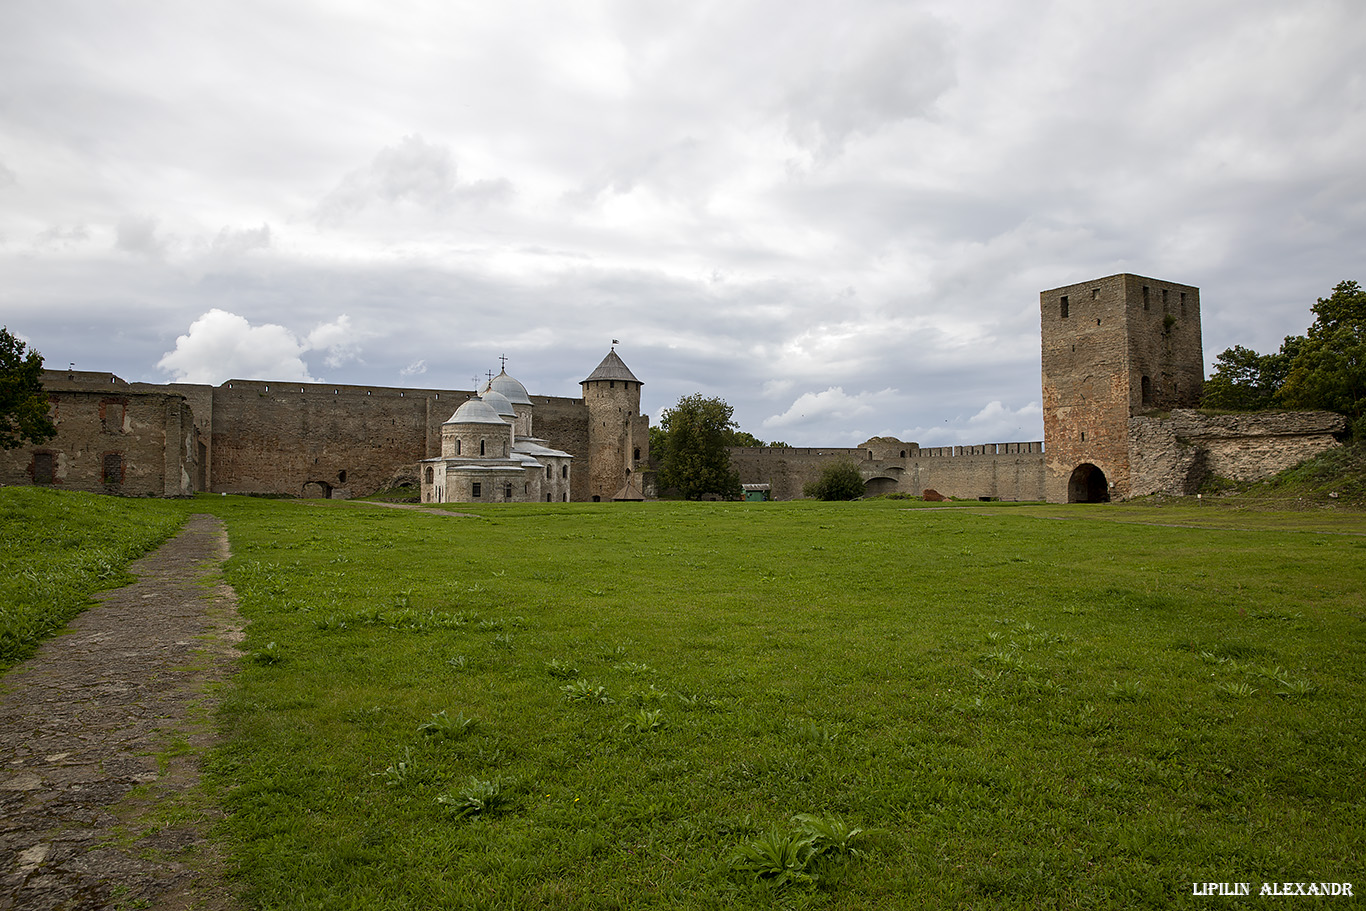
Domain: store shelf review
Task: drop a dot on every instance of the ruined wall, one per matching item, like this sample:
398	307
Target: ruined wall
1005	471
111	438
1174	454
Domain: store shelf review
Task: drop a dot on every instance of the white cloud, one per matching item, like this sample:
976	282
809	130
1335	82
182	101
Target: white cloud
221	345
236	241
416	368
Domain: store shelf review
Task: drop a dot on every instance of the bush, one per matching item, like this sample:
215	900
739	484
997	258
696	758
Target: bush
838	481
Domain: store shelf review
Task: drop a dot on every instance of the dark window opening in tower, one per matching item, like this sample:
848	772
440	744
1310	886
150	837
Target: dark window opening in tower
636	454
1145	297
481	447
1063	302
1147	393
476	490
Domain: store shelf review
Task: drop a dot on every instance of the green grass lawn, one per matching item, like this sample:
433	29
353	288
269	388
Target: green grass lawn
631	705
794	705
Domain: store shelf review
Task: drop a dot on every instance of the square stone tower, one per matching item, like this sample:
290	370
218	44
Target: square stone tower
1113	348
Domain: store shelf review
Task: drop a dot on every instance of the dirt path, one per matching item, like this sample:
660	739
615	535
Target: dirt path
99	734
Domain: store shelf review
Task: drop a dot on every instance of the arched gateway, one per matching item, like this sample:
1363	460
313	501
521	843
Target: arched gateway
1087	485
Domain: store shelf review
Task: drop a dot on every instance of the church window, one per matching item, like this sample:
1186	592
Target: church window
636	454
481	447
42	468
564	471
476	491
507	491
431	475
1063	302
457	447
547	472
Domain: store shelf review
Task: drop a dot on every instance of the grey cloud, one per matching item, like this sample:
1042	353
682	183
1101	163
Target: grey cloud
138	234
236	241
414	172
893	72
7	177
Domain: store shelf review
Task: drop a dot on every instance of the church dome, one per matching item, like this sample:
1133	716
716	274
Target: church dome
515	391
499	403
476	411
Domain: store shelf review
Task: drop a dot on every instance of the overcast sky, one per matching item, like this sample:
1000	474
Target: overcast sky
837	216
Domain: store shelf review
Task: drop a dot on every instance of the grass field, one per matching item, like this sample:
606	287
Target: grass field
794	705
597	706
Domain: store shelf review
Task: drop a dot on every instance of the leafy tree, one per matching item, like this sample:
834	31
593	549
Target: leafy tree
694	456
838	481
23	404
779	444
1329	369
1244	380
741	438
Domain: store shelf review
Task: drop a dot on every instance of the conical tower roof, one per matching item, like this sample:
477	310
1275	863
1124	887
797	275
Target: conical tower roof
611	368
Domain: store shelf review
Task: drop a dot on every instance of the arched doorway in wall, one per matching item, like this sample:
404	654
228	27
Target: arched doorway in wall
1088	485
876	486
317	490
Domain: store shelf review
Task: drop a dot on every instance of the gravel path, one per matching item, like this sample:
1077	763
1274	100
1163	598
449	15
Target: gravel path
100	735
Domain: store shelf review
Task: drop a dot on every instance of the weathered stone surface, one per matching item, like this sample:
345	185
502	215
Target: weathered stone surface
90	719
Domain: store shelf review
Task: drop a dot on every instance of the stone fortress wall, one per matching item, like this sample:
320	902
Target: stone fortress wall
1122	366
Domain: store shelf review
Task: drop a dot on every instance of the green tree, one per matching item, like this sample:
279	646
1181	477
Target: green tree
838	481
1244	380
694	456
1329	369
741	438
23	404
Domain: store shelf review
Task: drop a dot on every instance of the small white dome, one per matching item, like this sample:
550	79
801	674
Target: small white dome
515	391
499	403
476	411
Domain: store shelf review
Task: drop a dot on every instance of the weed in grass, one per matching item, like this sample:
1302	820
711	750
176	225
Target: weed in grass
652	696
560	670
270	655
1238	690
1127	691
459	662
645	721
815	852
583	691
478	798
812	732
637	670
447	728
402	773
503	641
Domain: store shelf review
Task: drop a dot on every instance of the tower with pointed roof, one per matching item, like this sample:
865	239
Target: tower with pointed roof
618	434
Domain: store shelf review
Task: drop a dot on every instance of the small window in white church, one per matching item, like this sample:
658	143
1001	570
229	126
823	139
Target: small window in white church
457	447
564	471
507	491
481	447
475	491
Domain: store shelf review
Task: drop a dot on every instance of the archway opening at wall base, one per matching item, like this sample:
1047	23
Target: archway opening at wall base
317	490
874	487
1088	485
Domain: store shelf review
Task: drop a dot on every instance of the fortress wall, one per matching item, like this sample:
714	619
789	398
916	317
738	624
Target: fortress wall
343	441
563	424
1007	471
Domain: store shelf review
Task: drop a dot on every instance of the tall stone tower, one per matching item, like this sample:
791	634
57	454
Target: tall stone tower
618	434
1113	348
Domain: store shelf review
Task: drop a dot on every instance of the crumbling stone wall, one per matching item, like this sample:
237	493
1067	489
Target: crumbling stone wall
1174	454
111	438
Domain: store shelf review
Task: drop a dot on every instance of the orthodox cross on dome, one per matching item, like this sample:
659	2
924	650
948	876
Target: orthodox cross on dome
490	373
504	359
